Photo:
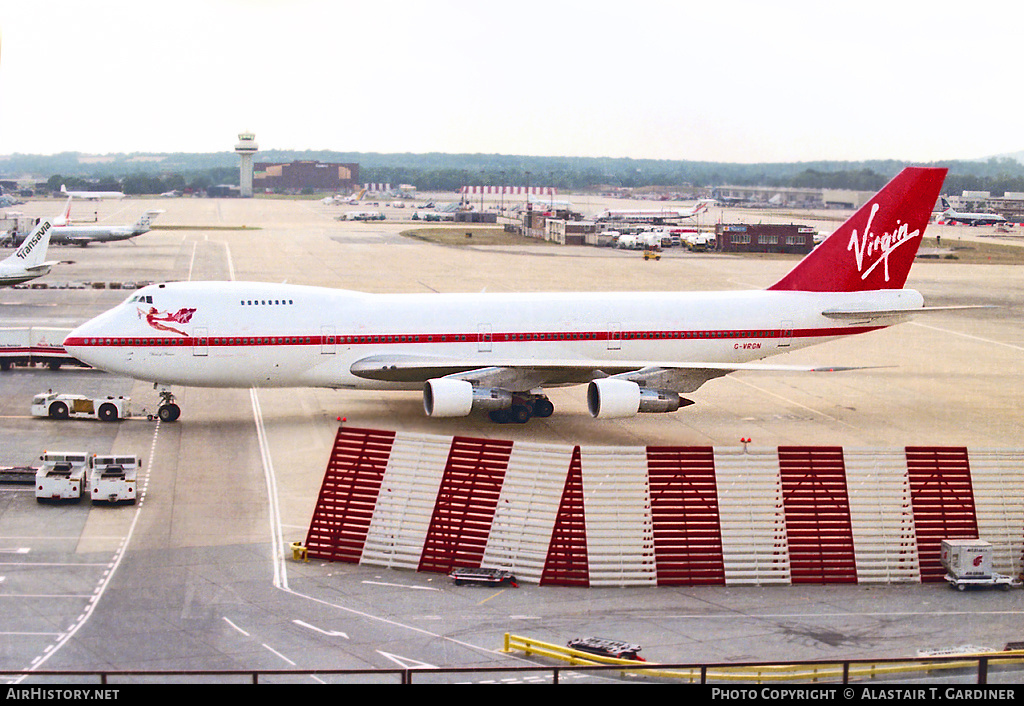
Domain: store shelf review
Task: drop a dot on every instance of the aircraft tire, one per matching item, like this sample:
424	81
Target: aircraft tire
516	414
519	414
499	416
169	413
542	408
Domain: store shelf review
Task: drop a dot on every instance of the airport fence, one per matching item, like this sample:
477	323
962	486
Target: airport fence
997	668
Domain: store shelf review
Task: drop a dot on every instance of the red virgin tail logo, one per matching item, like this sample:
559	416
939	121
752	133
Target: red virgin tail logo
160	320
875	248
868	245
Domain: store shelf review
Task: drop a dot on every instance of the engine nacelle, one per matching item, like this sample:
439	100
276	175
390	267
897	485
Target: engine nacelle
614	399
449	397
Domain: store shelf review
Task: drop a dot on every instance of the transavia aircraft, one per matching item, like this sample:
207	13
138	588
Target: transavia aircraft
638	352
29	260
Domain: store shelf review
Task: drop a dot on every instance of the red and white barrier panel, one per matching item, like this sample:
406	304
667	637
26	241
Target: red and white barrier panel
621	516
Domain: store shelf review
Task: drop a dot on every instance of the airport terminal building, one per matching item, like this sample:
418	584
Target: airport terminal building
305	174
764	237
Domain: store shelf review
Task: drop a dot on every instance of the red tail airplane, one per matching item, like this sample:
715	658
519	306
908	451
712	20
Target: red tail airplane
637	351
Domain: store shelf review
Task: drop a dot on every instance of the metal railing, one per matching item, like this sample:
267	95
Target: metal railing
818	671
962	669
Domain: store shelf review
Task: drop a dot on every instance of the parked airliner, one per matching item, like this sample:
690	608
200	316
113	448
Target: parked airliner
29	260
92	195
637	351
952	217
655	215
64	232
84	234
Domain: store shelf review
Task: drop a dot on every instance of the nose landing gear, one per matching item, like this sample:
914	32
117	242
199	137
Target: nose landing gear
168	411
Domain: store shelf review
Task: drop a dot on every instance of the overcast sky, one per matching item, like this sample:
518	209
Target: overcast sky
718	80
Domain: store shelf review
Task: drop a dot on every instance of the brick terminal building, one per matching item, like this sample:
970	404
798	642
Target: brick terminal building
305	174
764	237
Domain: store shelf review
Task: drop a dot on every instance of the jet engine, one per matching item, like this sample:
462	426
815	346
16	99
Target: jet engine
450	397
613	398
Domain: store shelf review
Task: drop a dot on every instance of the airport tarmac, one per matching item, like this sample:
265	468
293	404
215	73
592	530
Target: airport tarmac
197	575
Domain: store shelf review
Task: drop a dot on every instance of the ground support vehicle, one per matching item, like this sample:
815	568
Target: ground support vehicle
495	577
968	564
699	242
57	405
606	648
113	478
1002	581
62	476
33	345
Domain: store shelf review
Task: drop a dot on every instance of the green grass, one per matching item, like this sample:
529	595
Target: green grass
974	252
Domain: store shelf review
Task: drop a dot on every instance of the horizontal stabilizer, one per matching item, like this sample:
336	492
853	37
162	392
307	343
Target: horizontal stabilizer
44	267
890	315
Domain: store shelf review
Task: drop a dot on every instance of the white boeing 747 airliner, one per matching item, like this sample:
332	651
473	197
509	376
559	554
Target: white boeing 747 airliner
638	351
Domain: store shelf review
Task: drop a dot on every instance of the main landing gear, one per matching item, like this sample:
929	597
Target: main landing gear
168	411
523	408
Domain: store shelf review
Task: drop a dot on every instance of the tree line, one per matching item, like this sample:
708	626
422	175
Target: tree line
449	172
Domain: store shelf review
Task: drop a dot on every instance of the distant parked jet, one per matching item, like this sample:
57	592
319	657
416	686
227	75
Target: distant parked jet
951	217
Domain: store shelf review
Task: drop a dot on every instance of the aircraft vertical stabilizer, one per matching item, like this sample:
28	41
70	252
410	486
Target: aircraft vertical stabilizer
29	260
32	251
875	248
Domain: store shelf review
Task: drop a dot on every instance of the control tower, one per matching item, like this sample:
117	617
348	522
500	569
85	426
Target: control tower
246	148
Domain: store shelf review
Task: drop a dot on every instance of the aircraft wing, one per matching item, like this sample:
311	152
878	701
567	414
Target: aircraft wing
520	377
513	375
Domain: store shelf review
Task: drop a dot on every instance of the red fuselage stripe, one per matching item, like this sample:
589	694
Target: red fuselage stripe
421	338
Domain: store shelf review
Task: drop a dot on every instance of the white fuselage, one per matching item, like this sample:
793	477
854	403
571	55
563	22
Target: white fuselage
237	334
79	234
10	276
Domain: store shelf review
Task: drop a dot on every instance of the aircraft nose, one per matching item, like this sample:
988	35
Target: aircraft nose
85	342
74	342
